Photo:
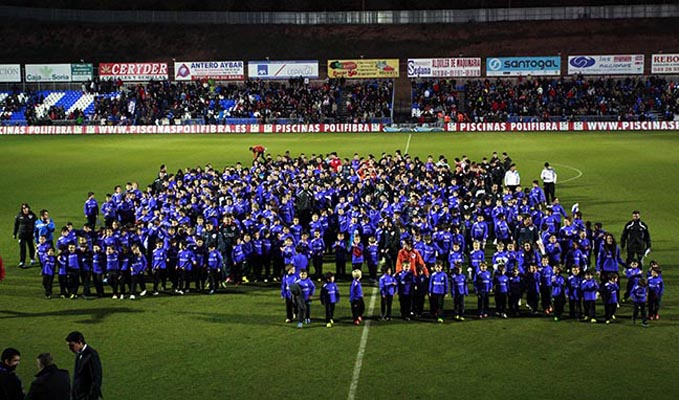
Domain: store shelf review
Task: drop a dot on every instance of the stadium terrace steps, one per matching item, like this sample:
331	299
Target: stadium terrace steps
51	99
82	103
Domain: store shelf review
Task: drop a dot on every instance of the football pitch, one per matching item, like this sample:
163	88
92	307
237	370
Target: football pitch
236	345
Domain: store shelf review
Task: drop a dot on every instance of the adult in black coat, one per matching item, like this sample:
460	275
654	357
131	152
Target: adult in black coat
24	223
10	384
87	376
51	383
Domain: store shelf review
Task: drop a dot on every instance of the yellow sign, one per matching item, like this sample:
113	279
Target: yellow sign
360	69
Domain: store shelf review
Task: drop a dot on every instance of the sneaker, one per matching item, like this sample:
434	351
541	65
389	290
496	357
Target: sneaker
357	322
360	319
644	324
155	293
21	265
132	297
186	291
461	318
180	292
73	296
122	296
287	320
266	281
299	325
556	319
211	292
613	317
519	302
593	320
245	279
328	325
114	297
48	296
33	262
485	315
439	320
332	321
143	293
608	322
228	280
307	321
504	315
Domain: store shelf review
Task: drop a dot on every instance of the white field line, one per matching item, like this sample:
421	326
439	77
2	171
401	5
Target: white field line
361	347
410	136
578	176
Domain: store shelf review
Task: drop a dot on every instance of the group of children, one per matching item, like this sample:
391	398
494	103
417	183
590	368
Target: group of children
547	290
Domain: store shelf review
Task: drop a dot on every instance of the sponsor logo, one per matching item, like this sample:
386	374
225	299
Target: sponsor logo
262	70
582	62
494	64
183	71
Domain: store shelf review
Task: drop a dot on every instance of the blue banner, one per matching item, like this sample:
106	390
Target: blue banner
522	66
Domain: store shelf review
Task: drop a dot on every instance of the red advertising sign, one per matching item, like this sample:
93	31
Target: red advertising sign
133	71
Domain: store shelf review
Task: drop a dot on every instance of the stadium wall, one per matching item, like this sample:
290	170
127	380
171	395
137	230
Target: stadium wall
343	18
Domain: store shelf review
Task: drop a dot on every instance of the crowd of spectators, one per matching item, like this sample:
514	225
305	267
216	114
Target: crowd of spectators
499	100
369	100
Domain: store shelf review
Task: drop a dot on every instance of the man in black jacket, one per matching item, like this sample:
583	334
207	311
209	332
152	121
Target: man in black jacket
10	384
24	223
51	383
87	376
636	237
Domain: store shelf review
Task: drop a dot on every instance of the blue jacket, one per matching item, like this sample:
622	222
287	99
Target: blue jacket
558	283
573	287
656	286
608	261
388	285
329	293
215	260
639	293
285	285
186	259
112	262
438	283
546	274
48	265
308	287
138	265
483	283
159	259
501	282
589	289
355	290
405	282
459	286
611	292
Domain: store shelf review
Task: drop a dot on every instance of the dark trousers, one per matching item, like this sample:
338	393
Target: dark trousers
159	277
329	312
26	243
590	309
609	309
546	297
372	271
340	267
458	304
635	253
92	221
99	284
385	306
73	281
653	304
301	308
317	261
47	282
357	308
532	298
113	277
559	303
514	298
575	308
639	308
418	303
63	285
181	278
85	279
549	187
307	309
289	309
628	288
501	303
213	278
405	302
437	304
257	267
483	303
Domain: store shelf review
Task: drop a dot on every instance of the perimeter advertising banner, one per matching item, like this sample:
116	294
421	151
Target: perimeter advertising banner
48	73
665	64
362	68
218	70
10	73
133	71
81	72
627	64
523	66
443	67
283	69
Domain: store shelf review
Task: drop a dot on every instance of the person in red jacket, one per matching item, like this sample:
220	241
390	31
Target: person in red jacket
410	256
258	152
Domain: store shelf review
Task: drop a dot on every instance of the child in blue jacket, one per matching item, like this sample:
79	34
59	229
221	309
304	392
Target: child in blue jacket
574	293
558	293
483	284
501	288
288	279
420	290
516	285
639	294
406	282
438	288
633	274
388	287
590	290
656	289
329	297
356	297
610	290
308	290
459	290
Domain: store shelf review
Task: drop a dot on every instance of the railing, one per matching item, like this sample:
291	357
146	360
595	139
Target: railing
340	18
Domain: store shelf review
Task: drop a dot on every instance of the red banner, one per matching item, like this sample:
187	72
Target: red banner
563	126
133	71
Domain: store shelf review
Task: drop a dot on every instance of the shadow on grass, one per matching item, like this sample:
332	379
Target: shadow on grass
92	315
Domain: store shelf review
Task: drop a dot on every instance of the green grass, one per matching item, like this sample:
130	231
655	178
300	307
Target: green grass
235	344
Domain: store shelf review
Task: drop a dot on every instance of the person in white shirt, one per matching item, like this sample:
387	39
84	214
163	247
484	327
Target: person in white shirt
548	177
512	178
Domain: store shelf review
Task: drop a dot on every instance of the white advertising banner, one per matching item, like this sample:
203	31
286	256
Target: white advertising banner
282	69
218	70
665	64
48	72
444	67
617	64
10	73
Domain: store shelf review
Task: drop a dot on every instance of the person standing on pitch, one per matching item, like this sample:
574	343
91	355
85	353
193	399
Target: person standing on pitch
636	238
51	383
87	376
24	223
548	176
